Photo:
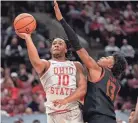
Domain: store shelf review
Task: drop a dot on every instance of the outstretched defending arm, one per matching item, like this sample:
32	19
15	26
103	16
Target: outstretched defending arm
83	54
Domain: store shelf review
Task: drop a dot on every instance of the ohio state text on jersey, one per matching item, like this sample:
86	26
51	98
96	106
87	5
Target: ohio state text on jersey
59	81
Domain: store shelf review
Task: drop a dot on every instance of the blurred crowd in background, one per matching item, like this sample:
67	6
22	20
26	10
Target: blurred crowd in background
114	25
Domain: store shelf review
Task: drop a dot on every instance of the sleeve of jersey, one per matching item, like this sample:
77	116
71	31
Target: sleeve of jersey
71	35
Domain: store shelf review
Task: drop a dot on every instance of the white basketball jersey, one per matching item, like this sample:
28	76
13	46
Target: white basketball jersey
59	82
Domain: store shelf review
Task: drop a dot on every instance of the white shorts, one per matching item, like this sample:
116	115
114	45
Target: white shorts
74	116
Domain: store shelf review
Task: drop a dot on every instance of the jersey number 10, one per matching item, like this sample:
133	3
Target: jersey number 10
63	80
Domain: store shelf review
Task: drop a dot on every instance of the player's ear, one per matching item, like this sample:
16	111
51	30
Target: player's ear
110	66
51	50
66	50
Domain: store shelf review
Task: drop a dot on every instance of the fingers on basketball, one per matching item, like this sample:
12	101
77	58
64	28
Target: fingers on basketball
24	23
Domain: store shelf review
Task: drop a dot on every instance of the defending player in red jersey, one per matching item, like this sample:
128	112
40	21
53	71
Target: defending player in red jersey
62	80
103	79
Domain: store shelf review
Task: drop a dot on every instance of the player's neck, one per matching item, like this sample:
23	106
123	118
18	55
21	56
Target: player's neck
61	58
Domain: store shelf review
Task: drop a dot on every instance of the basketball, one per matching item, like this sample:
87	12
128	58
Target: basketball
25	23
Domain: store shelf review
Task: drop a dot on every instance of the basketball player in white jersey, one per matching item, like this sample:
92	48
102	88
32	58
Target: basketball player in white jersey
62	80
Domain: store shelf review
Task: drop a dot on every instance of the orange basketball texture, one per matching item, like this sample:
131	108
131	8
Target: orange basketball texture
25	23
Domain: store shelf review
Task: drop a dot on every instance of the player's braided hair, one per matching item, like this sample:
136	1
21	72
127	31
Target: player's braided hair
119	65
68	44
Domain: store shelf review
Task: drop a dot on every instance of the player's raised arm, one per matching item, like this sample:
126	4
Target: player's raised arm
38	64
83	54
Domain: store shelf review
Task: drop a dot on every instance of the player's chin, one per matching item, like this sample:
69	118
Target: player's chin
129	121
56	52
99	63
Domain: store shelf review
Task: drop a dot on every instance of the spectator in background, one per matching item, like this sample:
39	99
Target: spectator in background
43	50
2	75
33	72
128	51
28	111
74	17
10	93
25	81
4	113
23	75
135	118
73	13
37	88
111	47
36	37
36	121
19	120
120	121
14	52
42	108
129	14
131	115
34	105
135	70
9	32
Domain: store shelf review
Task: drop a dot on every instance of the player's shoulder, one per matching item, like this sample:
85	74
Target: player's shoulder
46	62
78	64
